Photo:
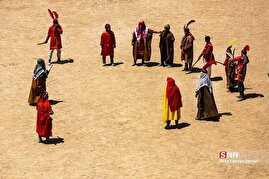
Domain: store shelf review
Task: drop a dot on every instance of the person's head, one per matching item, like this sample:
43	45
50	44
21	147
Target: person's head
167	27
55	21
207	39
246	49
170	81
41	62
108	27
186	31
142	25
45	96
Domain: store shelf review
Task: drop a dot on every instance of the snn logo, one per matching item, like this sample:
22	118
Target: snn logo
224	155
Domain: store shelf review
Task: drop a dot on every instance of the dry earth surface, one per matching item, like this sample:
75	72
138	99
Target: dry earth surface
110	117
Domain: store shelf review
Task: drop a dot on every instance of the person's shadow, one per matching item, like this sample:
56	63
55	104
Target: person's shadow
61	62
195	70
253	95
118	63
177	65
55	140
152	64
179	126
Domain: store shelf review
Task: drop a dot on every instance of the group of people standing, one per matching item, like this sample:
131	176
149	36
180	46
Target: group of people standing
141	42
38	93
235	68
172	101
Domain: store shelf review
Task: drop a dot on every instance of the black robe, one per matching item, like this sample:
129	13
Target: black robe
167	47
206	105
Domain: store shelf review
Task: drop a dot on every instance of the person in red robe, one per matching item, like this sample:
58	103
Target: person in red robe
54	33
207	54
43	120
108	43
242	70
171	104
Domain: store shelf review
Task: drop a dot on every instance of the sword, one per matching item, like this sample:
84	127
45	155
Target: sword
188	72
219	62
41	43
49	67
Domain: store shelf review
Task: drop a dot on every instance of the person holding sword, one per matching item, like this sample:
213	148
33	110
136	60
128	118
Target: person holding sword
54	34
207	55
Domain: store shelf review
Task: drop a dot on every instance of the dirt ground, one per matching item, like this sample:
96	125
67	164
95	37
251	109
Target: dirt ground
110	117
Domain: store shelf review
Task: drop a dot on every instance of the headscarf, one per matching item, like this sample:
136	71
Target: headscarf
173	95
107	26
246	48
39	68
204	81
141	31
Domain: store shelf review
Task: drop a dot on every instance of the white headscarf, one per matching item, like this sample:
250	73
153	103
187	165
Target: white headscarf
204	81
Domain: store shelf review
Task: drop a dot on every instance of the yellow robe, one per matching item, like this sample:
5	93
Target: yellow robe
167	114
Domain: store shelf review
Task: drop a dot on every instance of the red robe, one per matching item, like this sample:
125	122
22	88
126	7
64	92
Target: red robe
173	95
208	52
55	37
241	68
43	120
107	43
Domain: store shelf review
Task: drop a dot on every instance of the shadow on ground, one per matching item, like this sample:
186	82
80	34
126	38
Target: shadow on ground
55	140
179	126
69	60
253	95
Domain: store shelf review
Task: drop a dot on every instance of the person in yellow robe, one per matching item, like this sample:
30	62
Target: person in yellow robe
171	103
38	82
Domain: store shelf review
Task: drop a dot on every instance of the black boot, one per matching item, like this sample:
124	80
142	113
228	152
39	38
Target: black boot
112	61
241	89
143	62
168	125
241	97
104	61
176	121
47	141
39	139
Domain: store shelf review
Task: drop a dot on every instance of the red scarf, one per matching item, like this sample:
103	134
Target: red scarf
173	95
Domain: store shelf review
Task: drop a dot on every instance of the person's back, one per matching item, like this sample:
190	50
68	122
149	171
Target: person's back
43	120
